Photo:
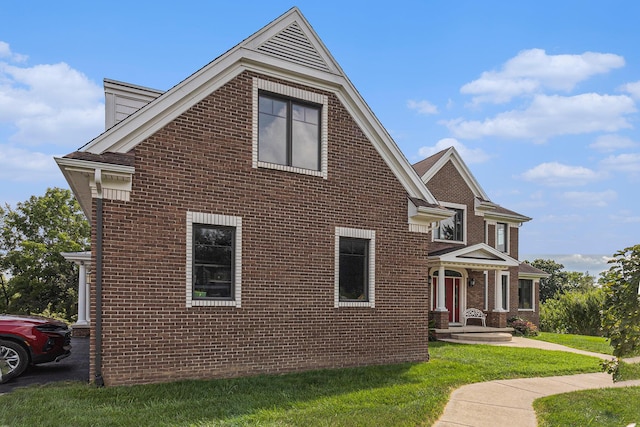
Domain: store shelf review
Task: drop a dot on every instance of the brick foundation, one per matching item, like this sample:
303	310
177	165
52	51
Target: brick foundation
497	319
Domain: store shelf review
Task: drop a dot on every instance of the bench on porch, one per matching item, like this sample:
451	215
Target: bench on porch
474	313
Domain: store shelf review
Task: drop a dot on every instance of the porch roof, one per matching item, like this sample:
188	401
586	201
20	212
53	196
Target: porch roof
476	257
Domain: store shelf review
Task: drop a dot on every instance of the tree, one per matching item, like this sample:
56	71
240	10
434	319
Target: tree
32	237
576	311
555	283
621	312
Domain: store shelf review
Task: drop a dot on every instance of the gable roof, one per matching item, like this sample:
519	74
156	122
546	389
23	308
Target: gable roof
479	256
430	166
287	48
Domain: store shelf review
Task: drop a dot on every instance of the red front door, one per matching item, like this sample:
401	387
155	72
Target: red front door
451	296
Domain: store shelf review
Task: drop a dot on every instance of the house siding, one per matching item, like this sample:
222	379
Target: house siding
202	162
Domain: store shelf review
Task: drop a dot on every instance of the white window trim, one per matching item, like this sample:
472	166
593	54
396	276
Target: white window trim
291	92
485	275
464	224
359	234
506	236
533	294
221	220
507	296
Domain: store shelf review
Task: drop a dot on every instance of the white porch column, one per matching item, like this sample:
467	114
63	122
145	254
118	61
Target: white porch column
497	305
441	306
87	302
82	294
83	261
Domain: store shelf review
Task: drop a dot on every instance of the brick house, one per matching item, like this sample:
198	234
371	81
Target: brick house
255	218
473	255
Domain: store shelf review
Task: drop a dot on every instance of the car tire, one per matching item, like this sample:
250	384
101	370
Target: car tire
14	359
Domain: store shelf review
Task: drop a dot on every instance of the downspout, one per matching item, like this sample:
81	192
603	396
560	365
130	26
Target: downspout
99	381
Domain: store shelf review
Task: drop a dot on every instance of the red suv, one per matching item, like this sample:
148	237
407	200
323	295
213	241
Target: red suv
30	340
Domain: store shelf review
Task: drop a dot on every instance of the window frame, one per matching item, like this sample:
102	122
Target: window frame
296	95
506	236
531	294
505	282
354	233
457	207
214	220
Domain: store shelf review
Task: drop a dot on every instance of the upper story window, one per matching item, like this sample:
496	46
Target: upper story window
289	129
502	231
288	132
452	228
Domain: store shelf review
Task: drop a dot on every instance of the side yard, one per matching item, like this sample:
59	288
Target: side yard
407	394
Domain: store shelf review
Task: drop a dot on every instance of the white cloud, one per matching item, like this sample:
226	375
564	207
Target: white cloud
627	163
556	174
49	104
533	70
550	116
7	54
422	107
469	155
607	143
20	165
625	216
591	263
632	88
588	198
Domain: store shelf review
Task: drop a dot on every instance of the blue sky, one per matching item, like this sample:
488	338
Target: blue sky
540	98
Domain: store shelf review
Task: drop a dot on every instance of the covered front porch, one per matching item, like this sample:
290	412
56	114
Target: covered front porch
468	277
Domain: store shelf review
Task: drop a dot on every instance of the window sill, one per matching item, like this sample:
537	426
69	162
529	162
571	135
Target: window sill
362	304
457	242
527	309
292	169
212	303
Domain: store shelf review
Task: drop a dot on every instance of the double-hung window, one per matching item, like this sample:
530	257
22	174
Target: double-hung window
214	260
504	284
525	294
452	228
355	268
502	236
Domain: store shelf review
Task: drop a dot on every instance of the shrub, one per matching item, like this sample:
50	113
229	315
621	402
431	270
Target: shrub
522	327
575	312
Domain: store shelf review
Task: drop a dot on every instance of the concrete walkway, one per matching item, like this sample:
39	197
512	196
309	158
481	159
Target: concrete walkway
510	402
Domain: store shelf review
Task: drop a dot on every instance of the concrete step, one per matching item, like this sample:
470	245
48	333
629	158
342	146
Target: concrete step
483	337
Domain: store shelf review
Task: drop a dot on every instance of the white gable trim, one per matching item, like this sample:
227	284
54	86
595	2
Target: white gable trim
453	156
478	257
245	57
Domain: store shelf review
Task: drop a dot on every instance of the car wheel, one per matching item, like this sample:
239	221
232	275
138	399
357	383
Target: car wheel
13	360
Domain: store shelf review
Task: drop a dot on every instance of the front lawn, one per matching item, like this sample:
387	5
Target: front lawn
395	395
582	342
613	407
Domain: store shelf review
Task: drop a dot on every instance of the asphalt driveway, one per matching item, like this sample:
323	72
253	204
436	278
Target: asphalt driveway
73	368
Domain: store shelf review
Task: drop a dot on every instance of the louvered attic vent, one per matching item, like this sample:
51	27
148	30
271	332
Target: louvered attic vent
292	45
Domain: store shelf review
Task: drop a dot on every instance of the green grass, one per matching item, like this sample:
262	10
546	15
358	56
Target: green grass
395	395
600	408
581	342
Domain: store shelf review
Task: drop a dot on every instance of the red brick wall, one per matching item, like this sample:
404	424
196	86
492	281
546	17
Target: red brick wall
447	185
202	162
